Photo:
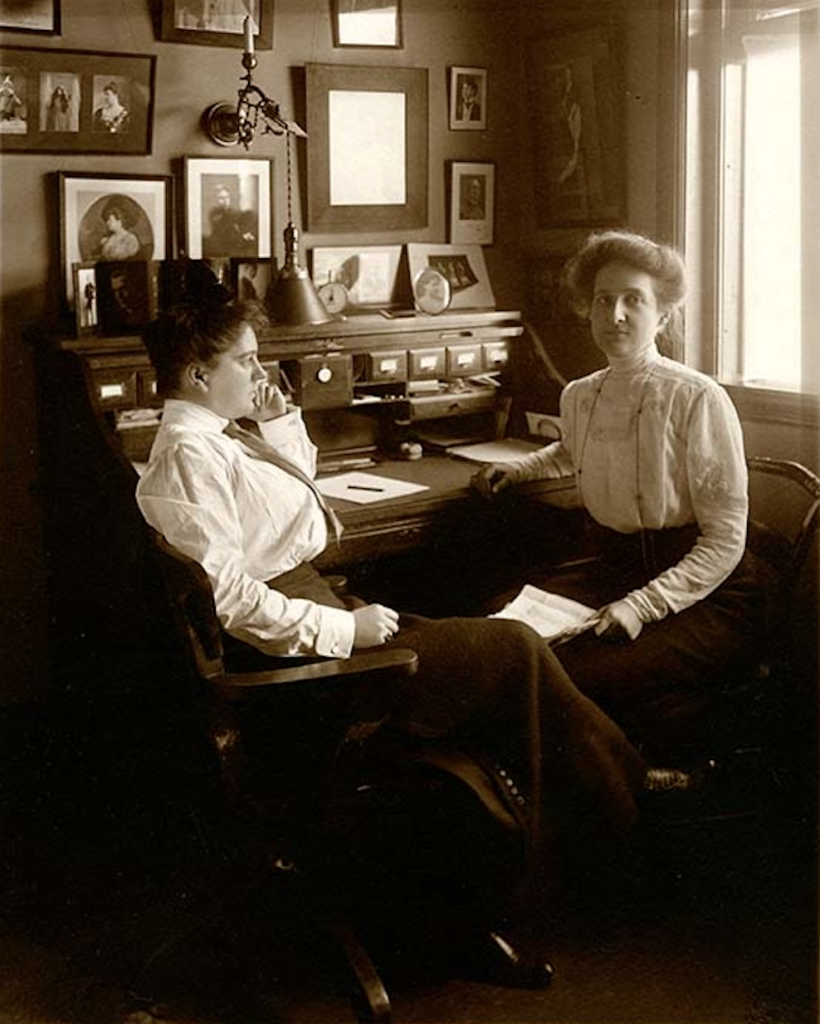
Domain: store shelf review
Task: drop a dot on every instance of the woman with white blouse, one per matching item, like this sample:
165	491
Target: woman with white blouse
656	449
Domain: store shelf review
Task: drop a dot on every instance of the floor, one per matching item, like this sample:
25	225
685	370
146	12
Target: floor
722	931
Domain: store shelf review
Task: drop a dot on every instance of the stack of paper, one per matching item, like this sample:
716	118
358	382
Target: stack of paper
552	616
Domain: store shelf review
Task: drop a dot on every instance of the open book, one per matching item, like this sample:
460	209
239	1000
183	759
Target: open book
553	617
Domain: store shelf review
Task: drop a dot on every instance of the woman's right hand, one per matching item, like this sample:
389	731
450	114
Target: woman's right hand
491	480
375	624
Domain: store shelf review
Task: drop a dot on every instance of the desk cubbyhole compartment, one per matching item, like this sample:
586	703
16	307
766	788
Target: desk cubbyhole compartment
464	360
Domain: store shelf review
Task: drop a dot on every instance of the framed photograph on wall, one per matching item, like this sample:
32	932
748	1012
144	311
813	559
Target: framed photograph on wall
228	207
468	99
359	118
31	16
107	217
368	273
251	279
217	24
464	268
367	23
576	124
472	202
75	101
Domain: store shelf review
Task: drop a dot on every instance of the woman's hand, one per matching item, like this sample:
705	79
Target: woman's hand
491	480
619	621
268	403
374	624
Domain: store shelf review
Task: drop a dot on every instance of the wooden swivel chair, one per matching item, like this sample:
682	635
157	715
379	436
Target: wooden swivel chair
140	689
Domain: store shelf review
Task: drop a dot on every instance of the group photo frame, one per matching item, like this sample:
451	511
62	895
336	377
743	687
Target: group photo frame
228	207
220	24
462	266
112	217
472	202
76	101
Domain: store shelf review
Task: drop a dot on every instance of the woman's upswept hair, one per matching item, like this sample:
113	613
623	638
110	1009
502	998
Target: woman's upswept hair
193	331
661	262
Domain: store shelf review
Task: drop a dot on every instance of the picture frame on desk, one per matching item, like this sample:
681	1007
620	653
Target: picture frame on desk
112	216
228	207
464	268
127	296
224	25
251	279
85	288
359	118
76	101
472	203
368	273
41	16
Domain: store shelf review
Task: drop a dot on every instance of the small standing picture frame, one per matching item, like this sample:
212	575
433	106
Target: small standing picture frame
472	203
468	99
127	295
251	279
85	288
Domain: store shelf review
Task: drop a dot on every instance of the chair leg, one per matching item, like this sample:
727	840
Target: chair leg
375	1002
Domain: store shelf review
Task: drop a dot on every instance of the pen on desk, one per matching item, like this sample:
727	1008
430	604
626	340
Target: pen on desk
362	487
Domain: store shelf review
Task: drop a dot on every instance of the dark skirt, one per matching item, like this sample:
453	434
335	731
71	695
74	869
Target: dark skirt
663	686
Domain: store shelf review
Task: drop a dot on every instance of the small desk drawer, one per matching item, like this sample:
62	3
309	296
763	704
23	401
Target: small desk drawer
383	367
427	363
116	388
496	355
452	403
463	360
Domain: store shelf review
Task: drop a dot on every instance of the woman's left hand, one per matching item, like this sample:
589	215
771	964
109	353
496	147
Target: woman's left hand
619	621
269	402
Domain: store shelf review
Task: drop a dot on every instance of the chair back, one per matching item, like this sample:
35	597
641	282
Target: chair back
190	602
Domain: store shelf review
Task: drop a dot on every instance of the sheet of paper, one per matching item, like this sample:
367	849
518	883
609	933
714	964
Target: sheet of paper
365	488
550	615
506	450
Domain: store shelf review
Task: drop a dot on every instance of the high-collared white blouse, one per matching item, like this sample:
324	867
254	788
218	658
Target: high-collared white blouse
654	444
245	521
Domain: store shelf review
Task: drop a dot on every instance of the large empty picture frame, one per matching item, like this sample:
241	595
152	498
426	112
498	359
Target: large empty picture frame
367	148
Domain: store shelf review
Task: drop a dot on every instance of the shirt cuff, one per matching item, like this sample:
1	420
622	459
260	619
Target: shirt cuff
337	631
282	428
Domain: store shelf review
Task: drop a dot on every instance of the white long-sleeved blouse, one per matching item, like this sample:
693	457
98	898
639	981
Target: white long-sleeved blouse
245	521
654	444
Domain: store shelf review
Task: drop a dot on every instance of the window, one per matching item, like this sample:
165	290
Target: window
752	180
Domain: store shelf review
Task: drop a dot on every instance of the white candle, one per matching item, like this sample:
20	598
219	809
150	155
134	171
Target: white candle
248	34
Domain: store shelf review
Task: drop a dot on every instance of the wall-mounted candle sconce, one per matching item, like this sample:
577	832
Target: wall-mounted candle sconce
228	125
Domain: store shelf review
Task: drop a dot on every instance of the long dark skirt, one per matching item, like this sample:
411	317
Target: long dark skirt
494	686
663	686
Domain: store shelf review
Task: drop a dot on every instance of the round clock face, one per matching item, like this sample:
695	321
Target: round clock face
334	296
431	290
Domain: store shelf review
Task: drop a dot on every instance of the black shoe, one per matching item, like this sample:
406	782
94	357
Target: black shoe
496	961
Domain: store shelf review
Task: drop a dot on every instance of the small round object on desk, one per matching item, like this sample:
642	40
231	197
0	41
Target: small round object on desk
431	290
410	450
334	295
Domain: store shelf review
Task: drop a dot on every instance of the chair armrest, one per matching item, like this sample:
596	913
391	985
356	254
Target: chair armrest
396	661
